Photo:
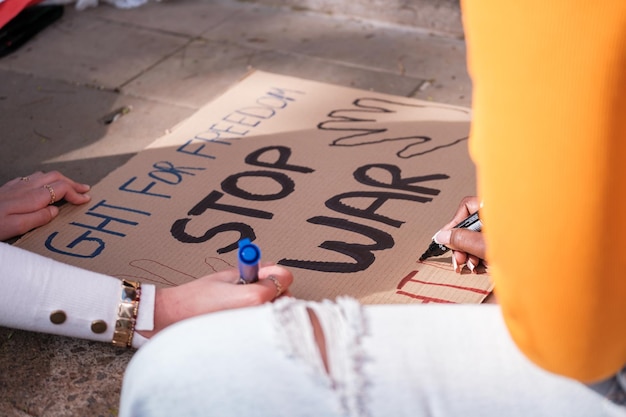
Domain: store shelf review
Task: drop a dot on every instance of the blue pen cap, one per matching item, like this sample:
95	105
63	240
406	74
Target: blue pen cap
249	256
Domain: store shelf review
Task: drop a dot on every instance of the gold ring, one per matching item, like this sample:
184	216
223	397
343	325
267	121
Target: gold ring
53	196
25	179
279	288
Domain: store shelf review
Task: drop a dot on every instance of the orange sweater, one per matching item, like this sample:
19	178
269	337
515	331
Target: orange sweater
549	142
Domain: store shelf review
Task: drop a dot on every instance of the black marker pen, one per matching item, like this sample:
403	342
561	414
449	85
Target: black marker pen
472	222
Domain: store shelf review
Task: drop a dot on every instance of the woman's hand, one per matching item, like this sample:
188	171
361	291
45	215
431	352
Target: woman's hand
217	292
26	202
468	247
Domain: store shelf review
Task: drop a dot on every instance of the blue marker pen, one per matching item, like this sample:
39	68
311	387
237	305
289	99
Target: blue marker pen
248	257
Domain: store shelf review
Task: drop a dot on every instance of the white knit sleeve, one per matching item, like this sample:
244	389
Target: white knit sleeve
33	287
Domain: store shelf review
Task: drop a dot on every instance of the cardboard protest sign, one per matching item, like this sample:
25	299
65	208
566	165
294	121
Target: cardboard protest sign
344	187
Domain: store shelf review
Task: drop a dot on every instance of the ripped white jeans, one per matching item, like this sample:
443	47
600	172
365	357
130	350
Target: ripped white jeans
383	360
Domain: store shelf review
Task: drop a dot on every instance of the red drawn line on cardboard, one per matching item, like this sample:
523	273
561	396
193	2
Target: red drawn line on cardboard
438	265
157	271
424	298
161	273
209	259
410	277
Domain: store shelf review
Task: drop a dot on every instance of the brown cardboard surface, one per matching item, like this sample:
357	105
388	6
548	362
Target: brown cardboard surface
345	187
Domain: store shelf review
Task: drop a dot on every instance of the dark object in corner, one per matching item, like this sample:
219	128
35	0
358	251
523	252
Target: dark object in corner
25	25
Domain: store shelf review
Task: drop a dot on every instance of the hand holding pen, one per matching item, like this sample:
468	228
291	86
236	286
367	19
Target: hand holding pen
468	246
249	260
215	292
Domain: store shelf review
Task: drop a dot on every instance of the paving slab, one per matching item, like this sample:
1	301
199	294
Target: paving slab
398	50
56	125
205	69
434	16
168	16
45	375
83	49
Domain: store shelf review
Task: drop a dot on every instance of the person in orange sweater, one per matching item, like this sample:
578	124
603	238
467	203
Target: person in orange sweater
548	138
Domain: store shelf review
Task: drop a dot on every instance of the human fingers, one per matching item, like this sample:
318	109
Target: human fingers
469	241
217	292
68	189
71	191
37	198
50	193
464	240
472	263
45	188
275	281
458	261
29	181
39	179
462	259
468	205
28	200
18	224
16	181
221	291
23	182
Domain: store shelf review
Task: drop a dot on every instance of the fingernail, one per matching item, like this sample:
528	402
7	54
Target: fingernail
54	211
471	266
442	237
454	264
